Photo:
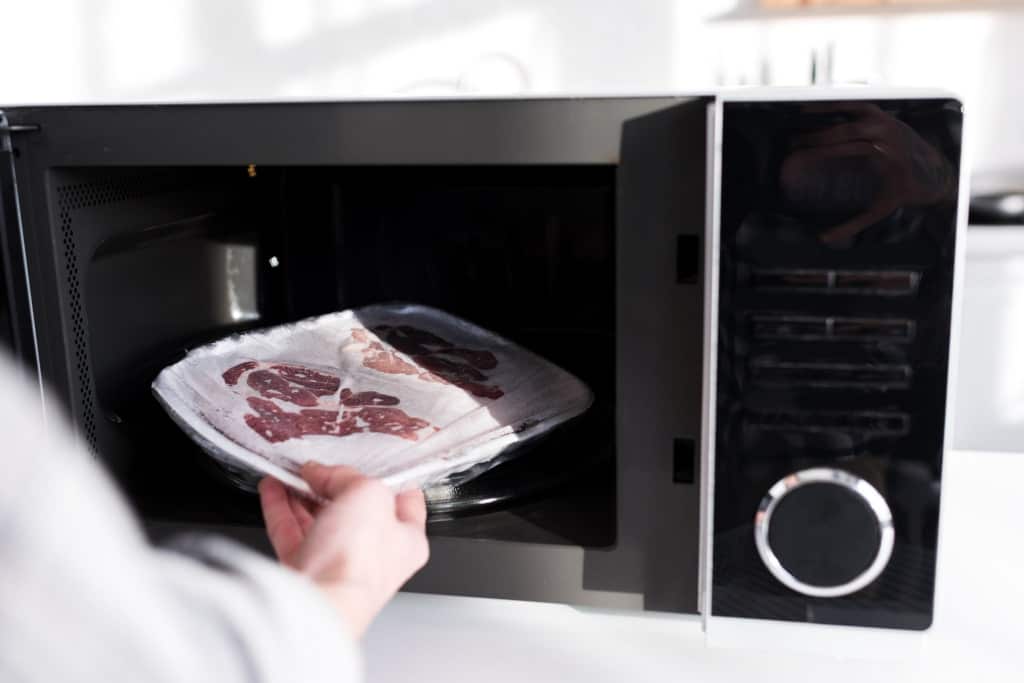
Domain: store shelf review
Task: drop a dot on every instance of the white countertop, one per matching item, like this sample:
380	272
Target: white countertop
978	629
979	623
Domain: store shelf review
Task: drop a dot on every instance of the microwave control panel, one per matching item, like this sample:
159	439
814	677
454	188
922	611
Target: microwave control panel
837	243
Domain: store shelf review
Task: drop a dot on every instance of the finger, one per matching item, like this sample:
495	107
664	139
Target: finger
846	231
416	553
283	529
411	508
303	511
329	481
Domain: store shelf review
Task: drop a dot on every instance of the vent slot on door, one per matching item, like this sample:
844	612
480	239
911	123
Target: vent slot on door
830	375
859	282
784	327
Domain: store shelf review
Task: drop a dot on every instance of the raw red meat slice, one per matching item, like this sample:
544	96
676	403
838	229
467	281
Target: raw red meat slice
312	421
481	390
304	387
231	375
392	421
411	340
270	422
275	424
382	360
442	360
315	382
320	383
449	369
367	398
423	337
461	375
271	385
484	360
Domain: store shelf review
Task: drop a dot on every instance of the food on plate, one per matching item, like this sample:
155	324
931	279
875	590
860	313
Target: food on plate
399	391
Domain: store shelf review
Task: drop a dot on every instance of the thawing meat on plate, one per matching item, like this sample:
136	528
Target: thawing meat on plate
404	392
432	359
319	407
321	412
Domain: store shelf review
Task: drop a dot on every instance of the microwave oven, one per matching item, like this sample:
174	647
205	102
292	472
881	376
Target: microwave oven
757	286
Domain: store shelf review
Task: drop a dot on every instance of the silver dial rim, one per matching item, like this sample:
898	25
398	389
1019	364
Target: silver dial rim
824	475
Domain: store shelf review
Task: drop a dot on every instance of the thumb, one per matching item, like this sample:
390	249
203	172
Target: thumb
329	482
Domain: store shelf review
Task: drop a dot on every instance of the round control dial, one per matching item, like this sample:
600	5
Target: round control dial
824	532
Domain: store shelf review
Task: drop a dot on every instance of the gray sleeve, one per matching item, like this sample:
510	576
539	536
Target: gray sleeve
275	623
84	597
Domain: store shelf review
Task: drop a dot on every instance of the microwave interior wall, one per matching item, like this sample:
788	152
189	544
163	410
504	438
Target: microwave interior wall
177	257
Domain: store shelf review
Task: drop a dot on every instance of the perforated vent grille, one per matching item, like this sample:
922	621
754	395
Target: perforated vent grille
72	196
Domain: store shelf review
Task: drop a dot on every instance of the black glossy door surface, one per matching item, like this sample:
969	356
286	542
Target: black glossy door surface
837	248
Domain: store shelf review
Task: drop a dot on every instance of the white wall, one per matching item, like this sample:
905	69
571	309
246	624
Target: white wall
132	50
976	54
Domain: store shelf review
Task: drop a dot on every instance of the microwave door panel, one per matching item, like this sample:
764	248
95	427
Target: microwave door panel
661	211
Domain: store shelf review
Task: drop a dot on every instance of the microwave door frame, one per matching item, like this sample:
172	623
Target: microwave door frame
711	282
659	349
24	343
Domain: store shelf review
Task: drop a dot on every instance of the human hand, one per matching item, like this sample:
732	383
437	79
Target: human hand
908	170
360	547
